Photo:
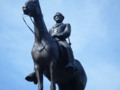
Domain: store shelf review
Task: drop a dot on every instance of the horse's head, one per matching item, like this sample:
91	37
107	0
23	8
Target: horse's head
31	8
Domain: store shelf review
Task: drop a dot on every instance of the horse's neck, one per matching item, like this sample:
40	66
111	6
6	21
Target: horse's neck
39	28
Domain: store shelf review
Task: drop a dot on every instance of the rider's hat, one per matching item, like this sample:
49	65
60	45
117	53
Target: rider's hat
57	14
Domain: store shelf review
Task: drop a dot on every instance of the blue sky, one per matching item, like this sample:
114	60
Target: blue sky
95	41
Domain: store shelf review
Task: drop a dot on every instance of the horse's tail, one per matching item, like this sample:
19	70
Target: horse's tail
81	75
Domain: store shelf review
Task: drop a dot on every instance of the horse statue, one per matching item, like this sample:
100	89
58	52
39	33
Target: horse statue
47	57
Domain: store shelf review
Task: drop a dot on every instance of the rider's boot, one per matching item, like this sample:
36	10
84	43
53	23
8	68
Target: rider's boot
71	62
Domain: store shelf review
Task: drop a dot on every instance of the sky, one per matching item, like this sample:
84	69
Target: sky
95	41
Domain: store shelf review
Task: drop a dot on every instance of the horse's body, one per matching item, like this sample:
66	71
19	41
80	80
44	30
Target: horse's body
47	58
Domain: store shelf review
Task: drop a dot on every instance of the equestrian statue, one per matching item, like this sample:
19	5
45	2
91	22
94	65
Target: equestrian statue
52	54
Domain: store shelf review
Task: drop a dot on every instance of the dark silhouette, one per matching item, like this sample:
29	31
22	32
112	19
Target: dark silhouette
47	56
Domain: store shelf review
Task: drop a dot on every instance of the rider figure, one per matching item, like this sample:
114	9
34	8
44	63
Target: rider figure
60	32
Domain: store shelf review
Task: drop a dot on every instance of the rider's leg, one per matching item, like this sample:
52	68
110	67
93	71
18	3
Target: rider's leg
70	66
71	61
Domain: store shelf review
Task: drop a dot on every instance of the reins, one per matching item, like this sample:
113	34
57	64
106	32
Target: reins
28	25
34	32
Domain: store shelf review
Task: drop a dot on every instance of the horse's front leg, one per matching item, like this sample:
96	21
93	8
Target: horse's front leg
52	67
39	75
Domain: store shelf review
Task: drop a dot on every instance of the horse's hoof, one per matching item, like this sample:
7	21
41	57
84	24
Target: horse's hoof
28	78
31	79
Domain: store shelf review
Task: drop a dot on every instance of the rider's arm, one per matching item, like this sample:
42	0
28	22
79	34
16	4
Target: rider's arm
66	32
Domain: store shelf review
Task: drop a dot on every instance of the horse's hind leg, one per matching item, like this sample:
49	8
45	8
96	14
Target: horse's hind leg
39	76
53	87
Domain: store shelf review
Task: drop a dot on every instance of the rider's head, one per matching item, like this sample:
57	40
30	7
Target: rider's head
58	17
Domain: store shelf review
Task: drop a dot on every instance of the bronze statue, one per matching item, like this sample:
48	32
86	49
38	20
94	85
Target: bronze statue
47	53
